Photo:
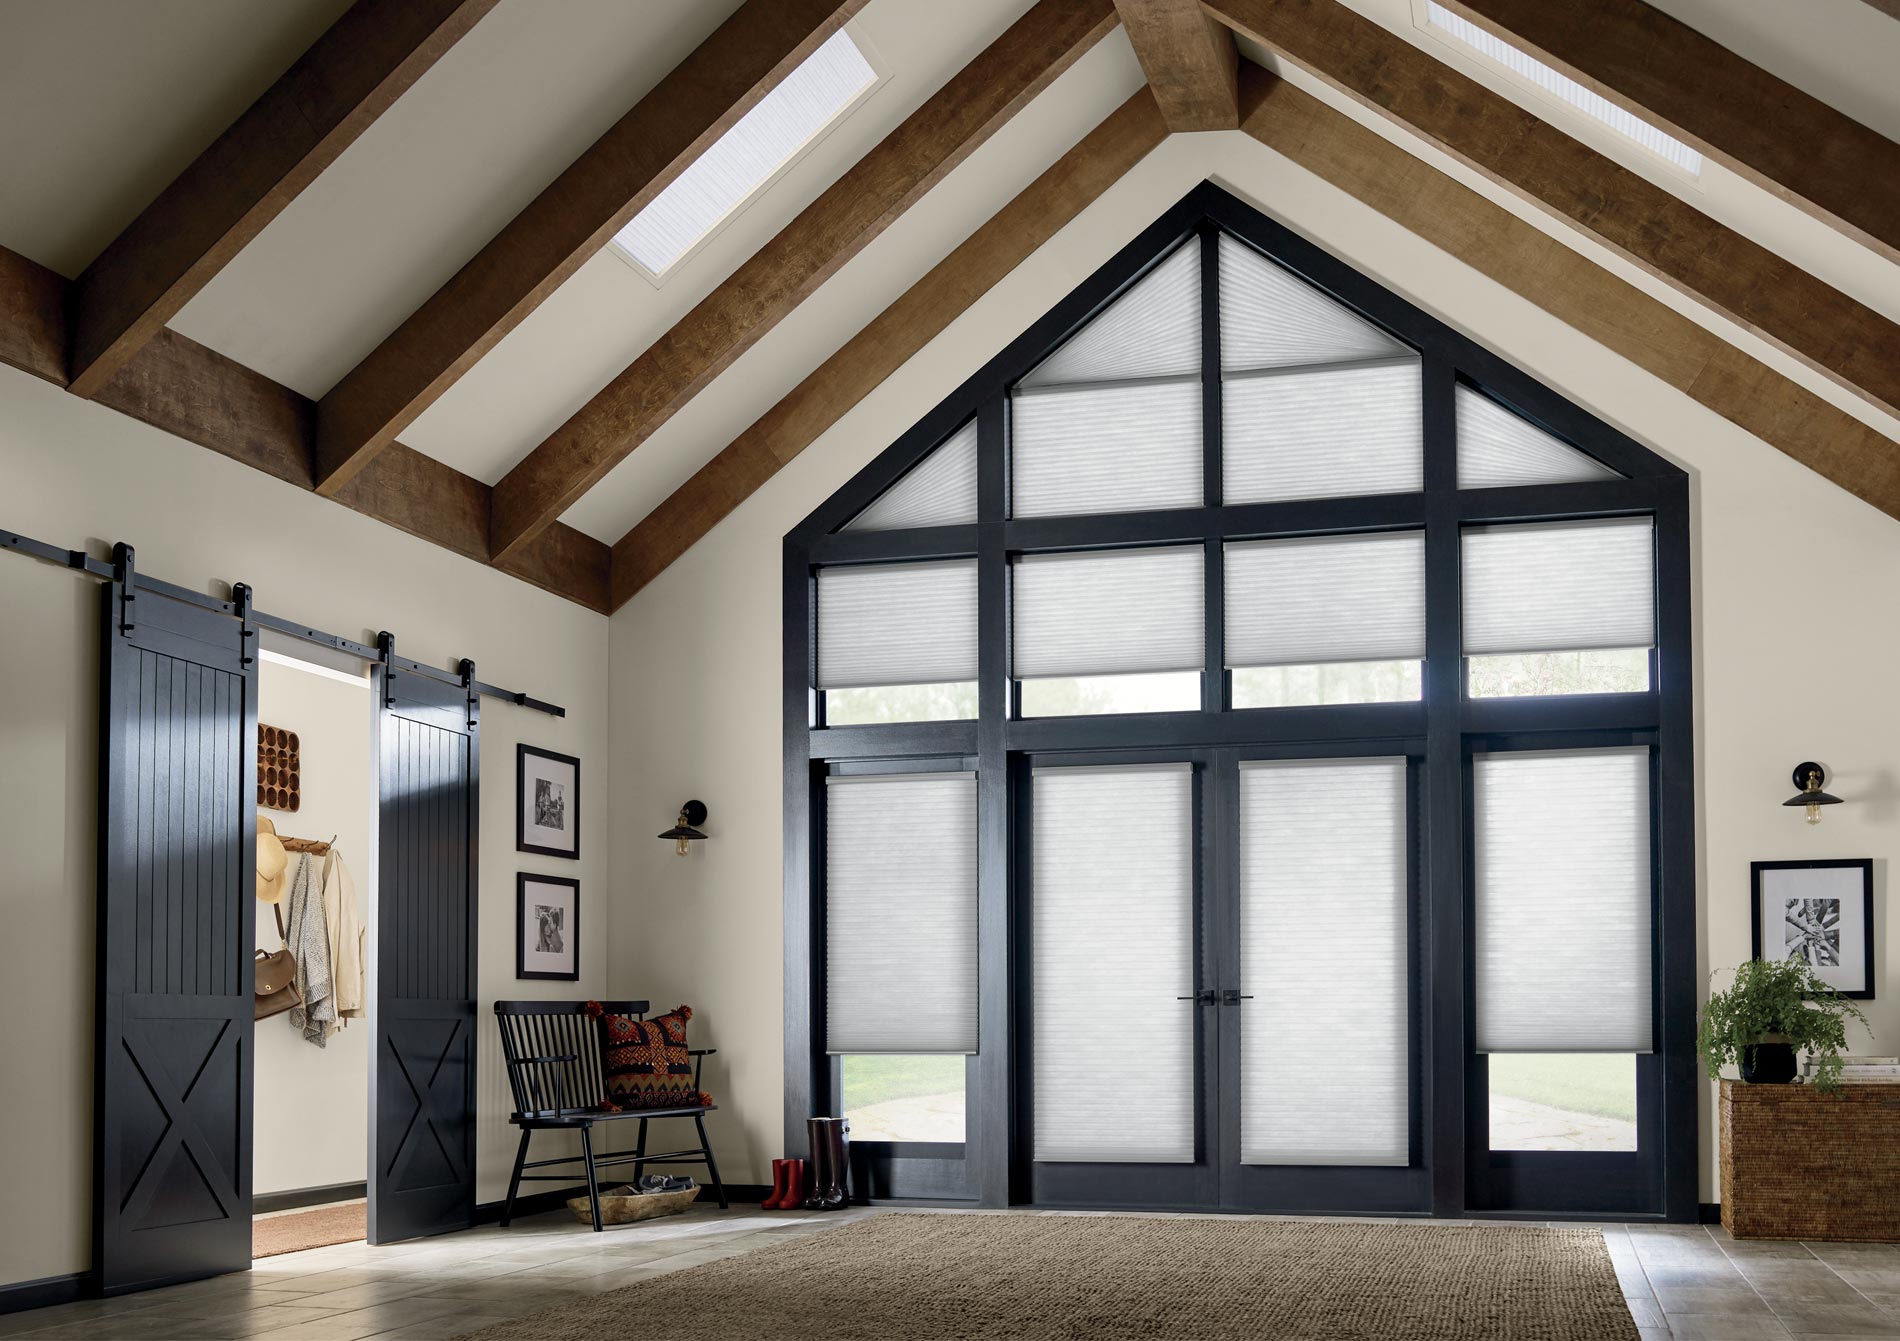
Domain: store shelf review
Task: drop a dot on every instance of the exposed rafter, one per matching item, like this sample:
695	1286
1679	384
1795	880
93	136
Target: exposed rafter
1764	128
333	92
1004	242
1189	59
978	100
183	388
565	225
1735	278
1572	288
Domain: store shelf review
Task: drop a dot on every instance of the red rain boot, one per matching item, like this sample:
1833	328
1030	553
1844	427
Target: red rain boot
794	1185
780	1169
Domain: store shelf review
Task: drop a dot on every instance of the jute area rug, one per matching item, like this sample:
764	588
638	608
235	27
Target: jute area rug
275	1234
1066	1278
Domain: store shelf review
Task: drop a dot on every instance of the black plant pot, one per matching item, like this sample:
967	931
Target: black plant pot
1768	1064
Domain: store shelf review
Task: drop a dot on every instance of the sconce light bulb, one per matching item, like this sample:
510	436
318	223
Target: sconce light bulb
1814	813
679	844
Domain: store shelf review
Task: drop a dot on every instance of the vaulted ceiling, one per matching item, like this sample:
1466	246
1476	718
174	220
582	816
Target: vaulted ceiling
364	247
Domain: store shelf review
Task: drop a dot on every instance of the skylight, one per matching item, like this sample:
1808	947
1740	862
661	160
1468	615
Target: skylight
782	124
1597	108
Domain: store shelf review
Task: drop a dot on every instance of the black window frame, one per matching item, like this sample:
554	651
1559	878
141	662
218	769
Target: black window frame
1462	1179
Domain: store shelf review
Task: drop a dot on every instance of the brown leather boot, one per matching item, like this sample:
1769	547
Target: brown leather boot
831	1145
820	1166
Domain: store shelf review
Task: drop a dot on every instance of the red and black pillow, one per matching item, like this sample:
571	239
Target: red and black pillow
645	1063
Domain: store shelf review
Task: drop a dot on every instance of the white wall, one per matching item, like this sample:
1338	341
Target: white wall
77	474
310	1114
696	654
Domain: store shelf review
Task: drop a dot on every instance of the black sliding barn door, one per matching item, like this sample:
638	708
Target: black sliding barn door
422	1086
172	1088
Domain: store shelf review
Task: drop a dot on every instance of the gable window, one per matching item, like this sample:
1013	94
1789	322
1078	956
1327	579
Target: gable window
1321	706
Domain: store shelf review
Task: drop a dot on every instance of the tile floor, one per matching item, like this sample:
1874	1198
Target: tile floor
1682	1282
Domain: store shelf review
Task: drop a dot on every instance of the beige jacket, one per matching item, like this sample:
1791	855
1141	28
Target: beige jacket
343	916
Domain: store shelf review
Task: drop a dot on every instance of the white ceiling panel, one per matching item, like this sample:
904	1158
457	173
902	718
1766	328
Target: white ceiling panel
594	325
955	208
492	123
104	102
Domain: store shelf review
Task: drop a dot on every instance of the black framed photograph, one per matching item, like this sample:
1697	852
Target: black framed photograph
547	927
547	803
1820	912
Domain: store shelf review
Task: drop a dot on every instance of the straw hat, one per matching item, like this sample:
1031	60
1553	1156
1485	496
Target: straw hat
271	861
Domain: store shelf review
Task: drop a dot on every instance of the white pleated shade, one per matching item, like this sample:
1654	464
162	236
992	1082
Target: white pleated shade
900	913
1562	915
940	490
1152	330
1322	433
1108	612
1112	947
1559	586
1269	319
1323	905
897	623
1109	448
1324	599
1497	448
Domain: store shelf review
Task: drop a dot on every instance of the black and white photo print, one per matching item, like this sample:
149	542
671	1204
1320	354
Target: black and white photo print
548	803
547	927
1821	913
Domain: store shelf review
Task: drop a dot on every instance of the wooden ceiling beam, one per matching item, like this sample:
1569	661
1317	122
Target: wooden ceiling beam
1735	278
961	115
1793	145
1189	59
1497	243
571	220
316	110
1010	237
32	317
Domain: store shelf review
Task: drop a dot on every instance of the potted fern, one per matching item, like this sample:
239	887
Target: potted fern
1774	1009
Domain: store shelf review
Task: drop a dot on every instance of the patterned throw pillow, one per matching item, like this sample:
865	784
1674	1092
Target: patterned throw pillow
644	1062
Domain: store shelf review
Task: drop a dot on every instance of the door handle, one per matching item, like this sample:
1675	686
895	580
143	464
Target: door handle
1205	998
1232	997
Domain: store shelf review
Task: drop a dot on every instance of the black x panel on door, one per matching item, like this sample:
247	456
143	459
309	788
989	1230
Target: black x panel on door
422	1139
172	1089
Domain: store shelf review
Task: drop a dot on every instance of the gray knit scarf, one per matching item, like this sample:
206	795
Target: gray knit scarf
309	943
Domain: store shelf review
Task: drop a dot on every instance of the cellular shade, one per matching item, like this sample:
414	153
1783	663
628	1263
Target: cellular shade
740	161
897	623
1112	947
1111	612
1559	586
900	913
1326	598
1497	448
1562	935
1152	330
1269	319
1130	447
940	490
1323	901
1322	433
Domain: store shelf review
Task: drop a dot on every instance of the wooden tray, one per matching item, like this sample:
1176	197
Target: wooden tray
626	1210
279	769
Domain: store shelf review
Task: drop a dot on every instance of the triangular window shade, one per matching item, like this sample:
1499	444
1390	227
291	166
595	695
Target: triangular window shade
940	490
1153	330
1496	448
1269	319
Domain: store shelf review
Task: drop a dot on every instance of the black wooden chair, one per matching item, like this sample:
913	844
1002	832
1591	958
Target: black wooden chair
552	1052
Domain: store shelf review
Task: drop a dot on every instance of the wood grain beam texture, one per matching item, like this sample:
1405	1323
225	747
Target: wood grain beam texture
566	224
1572	288
1005	241
978	100
1761	127
331	95
192	392
1734	277
1190	62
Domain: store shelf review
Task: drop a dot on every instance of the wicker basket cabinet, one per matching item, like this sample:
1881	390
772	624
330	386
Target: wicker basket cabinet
1799	1164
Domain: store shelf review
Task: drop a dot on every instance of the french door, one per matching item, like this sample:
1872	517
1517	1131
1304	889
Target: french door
1217	981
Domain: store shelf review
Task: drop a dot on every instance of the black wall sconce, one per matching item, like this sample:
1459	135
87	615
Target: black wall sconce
1809	777
686	828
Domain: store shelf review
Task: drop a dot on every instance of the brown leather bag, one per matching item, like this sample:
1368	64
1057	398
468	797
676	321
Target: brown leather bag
275	989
